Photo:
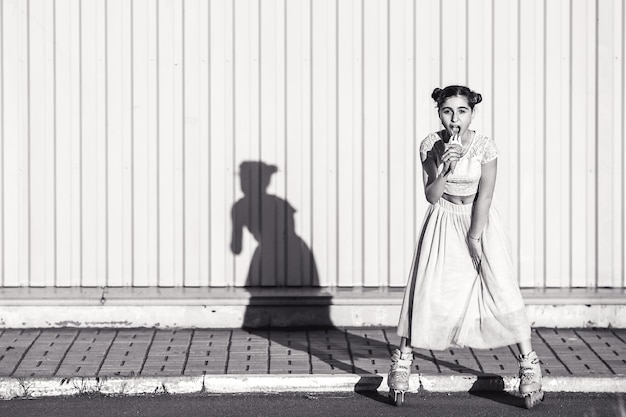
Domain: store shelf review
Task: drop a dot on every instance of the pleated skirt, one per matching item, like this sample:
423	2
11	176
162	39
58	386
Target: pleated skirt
448	301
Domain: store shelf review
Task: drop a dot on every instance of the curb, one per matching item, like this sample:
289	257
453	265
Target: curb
11	388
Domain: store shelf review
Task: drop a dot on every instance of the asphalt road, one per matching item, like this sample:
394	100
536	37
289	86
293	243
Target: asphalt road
335	405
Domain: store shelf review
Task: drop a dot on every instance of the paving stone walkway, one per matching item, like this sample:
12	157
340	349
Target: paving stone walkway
75	352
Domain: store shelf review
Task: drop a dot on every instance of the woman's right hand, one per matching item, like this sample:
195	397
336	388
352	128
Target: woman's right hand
451	156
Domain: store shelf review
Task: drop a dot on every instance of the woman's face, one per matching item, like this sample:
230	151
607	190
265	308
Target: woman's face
456	115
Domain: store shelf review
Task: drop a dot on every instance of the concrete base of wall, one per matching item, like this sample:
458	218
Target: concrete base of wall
563	316
234	308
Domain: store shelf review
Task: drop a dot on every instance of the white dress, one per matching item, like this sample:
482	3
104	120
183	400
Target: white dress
447	302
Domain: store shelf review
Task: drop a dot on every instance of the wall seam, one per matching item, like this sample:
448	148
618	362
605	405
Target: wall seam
311	154
337	167
2	188
132	142
80	142
184	147
596	132
362	155
28	145
388	139
571	153
544	134
54	146
209	148
158	145
106	142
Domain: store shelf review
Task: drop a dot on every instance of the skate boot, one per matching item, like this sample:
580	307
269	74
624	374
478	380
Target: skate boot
530	379
399	373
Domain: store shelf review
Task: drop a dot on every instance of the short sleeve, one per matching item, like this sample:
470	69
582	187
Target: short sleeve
490	150
426	145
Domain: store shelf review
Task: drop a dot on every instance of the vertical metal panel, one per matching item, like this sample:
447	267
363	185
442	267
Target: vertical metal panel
171	143
350	144
2	140
93	144
506	76
223	178
246	127
557	144
480	57
124	126
583	76
298	133
324	140
532	132
145	143
16	139
67	134
453	33
272	101
119	142
428	68
41	88
401	141
610	177
375	143
196	134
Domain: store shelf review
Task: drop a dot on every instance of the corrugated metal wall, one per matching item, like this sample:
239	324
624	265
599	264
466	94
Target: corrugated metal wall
124	123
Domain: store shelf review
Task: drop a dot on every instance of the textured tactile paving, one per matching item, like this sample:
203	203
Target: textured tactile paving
13	346
498	361
568	354
71	353
87	353
370	350
168	353
127	353
288	352
456	361
607	349
208	352
329	352
46	353
248	353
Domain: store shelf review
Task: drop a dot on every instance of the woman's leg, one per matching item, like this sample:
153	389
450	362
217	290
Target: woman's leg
525	347
405	345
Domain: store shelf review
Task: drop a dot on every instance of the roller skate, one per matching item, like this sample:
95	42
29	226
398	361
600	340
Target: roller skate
399	373
530	379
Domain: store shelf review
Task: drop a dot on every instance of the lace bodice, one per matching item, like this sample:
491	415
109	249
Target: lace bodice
464	181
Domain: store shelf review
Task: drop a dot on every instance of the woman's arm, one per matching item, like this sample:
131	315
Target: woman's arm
480	211
434	181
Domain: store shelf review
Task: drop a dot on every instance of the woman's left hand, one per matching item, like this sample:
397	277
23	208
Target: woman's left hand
476	251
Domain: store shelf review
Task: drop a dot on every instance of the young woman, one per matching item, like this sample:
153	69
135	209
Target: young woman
462	288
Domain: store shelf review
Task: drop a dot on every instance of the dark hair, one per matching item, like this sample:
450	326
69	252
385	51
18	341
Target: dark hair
440	96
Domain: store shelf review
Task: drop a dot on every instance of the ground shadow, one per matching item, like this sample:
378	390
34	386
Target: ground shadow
488	385
283	259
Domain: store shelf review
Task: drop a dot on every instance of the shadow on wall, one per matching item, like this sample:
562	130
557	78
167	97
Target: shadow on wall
282	258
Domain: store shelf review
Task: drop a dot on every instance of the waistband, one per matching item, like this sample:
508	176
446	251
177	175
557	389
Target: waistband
454	208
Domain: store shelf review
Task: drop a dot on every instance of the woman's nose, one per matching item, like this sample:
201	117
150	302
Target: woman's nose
454	117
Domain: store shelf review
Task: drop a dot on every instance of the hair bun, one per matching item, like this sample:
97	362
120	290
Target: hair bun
477	98
436	94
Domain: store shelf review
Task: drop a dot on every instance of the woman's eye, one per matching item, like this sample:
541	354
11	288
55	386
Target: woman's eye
462	111
447	112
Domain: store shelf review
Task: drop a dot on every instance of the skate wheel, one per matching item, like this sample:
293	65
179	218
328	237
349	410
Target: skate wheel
531	399
397	397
